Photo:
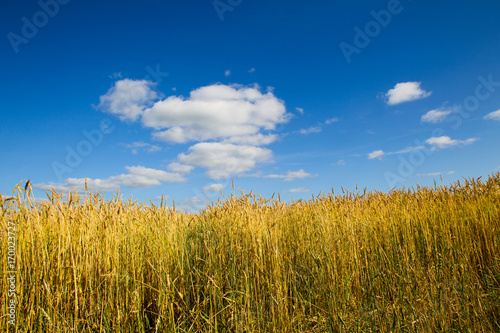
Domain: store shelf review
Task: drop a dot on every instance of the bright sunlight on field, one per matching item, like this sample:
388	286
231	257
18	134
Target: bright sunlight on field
419	260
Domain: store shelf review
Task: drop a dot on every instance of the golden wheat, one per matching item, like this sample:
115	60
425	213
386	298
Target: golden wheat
412	260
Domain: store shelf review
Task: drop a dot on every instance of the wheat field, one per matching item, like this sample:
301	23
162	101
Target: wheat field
412	260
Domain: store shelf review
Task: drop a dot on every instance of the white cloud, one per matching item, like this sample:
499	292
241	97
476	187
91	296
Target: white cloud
223	160
331	120
495	115
227	72
432	174
406	92
215	112
180	168
213	188
142	145
340	162
292	175
300	110
376	154
298	190
138	177
235	118
310	130
251	70
406	150
380	153
438	115
443	142
253	140
128	98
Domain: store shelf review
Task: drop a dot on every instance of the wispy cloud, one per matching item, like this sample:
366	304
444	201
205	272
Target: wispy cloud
438	115
116	75
376	154
331	120
495	115
251	70
136	146
213	188
380	153
291	175
444	142
433	174
406	92
297	190
300	110
137	177
310	130
227	72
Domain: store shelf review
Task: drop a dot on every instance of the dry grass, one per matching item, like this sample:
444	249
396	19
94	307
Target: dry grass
420	260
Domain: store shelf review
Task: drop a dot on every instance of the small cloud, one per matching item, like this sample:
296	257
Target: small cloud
298	190
433	174
127	99
495	115
371	132
331	120
310	130
444	142
213	188
438	115
376	154
300	110
251	70
116	75
292	175
380	153
135	146
339	162
405	92
174	89
227	73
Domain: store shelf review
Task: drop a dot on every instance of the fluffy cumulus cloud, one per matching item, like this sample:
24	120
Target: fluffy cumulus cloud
438	115
443	142
127	99
215	112
227	124
137	177
223	160
495	115
406	92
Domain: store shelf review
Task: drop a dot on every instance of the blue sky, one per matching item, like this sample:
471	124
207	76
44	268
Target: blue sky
180	98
